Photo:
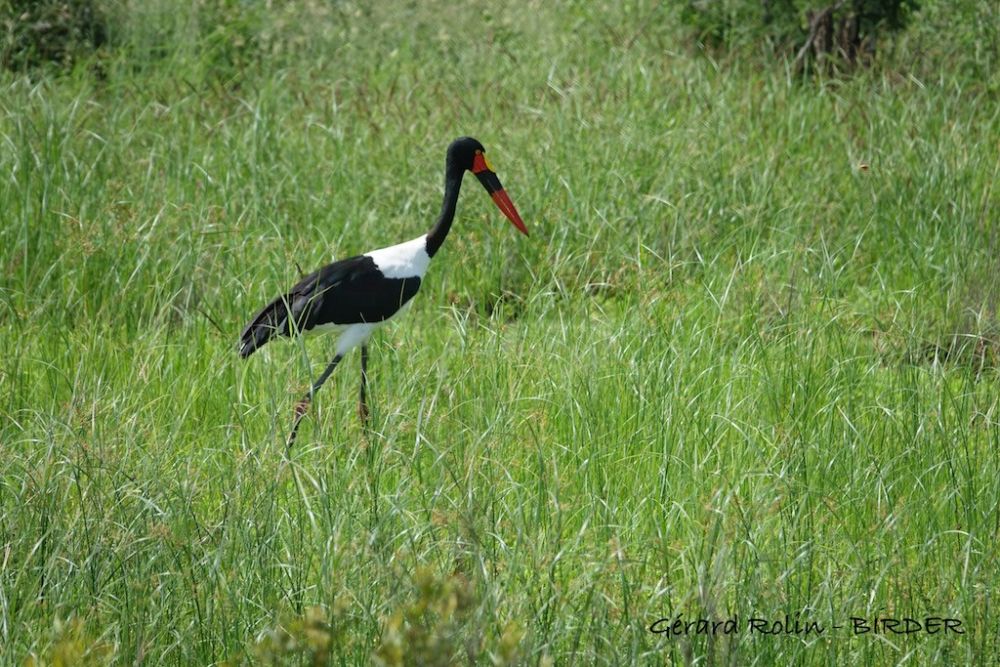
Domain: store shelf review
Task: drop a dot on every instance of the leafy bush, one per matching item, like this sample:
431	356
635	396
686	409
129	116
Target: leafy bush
229	35
36	32
224	36
438	627
70	643
815	31
307	639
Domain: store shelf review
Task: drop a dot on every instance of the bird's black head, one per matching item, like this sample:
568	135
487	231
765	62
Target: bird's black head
462	153
467	154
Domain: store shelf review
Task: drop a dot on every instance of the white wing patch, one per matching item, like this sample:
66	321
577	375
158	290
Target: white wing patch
404	260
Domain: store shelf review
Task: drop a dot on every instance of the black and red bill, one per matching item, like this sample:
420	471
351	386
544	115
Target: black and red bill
483	170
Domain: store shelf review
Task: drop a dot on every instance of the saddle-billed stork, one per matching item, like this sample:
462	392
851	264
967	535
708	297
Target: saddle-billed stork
357	295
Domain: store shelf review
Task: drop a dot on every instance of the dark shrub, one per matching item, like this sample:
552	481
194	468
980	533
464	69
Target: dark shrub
37	32
812	31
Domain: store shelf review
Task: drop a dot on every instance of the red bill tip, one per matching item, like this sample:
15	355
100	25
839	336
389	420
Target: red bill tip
506	206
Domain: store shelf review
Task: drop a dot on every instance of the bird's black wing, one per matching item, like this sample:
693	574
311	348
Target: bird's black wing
349	291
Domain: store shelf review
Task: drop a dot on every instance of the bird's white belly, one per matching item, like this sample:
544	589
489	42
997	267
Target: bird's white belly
352	335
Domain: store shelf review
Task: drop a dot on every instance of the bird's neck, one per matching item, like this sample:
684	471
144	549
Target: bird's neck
452	184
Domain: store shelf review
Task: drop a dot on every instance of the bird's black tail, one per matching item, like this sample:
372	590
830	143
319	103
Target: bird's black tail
271	321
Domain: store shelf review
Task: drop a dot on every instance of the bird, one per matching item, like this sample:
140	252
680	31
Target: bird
356	296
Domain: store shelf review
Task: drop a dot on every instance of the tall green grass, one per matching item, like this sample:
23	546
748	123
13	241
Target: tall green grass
745	365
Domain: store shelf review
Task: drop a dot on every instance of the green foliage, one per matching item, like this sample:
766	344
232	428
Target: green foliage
437	626
311	638
59	32
784	26
72	646
428	629
229	35
223	38
955	39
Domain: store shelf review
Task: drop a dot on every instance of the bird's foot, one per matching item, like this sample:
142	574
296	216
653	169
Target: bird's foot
301	408
363	413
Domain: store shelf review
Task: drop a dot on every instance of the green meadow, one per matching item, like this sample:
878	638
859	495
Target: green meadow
746	366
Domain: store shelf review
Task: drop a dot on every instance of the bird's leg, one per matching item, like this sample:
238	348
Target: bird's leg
303	405
363	401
